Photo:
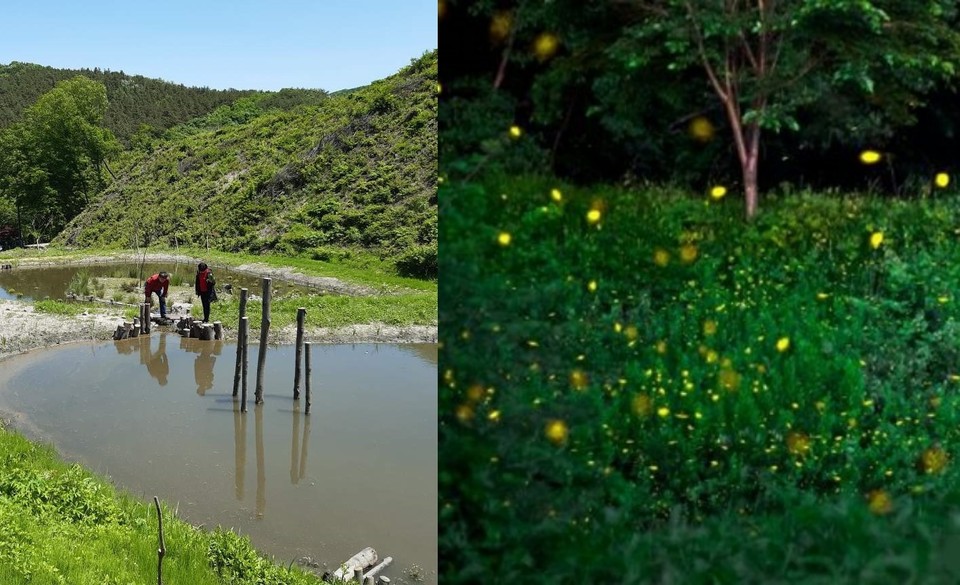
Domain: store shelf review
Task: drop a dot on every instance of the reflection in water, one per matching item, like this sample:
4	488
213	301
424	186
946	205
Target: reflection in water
203	364
156	362
261	475
96	415
239	447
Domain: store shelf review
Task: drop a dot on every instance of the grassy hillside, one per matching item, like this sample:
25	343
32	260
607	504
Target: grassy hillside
357	172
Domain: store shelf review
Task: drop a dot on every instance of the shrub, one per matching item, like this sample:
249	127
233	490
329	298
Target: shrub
418	262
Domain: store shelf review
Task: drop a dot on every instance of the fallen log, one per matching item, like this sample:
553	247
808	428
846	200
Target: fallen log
361	560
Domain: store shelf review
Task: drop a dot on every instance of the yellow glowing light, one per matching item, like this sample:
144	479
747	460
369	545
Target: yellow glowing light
556	431
879	502
593	216
515	131
642	405
578	379
556	195
663	412
869	157
504	239
712	357
876	238
464	413
494	415
688	253
798	443
475	392
783	344
545	45
701	129
500	25
661	257
934	460
631	332
661	347
942	180
718	192
592	286
709	327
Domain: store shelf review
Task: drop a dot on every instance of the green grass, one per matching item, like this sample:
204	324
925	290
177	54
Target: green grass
329	311
64	525
658	392
67	308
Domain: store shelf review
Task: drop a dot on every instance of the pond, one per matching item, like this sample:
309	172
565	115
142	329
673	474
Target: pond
156	415
52	281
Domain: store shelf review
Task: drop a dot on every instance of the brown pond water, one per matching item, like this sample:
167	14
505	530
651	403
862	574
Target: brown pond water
52	281
156	415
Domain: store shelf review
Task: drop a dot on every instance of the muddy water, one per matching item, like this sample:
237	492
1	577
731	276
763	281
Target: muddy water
156	415
52	281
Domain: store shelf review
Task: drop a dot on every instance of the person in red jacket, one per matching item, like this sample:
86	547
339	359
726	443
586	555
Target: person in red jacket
158	283
203	286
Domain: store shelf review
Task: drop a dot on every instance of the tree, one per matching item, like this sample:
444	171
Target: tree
763	62
50	162
766	59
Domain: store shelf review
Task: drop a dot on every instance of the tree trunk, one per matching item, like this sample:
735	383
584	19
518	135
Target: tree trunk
749	167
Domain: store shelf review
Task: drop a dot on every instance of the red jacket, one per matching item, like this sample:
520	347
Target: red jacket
201	283
153	285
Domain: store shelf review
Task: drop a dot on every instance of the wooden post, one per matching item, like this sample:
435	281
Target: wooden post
383	565
358	574
384	580
163	549
143	317
146	319
243	313
306	350
244	332
264	330
217	330
134	329
301	316
368	580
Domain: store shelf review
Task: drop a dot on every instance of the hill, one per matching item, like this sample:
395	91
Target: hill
135	100
357	171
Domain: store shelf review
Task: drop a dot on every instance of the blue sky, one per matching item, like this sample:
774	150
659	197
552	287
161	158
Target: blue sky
243	44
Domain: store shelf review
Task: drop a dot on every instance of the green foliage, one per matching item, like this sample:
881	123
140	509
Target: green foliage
63	525
655	392
134	101
357	171
50	162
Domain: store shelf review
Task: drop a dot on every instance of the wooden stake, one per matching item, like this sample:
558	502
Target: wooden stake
146	319
217	330
163	549
383	565
301	316
243	313
264	330
244	332
306	349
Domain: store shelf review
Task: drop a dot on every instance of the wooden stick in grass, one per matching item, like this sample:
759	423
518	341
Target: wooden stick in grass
264	330
163	549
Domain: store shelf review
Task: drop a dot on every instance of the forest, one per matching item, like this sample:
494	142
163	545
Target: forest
698	309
